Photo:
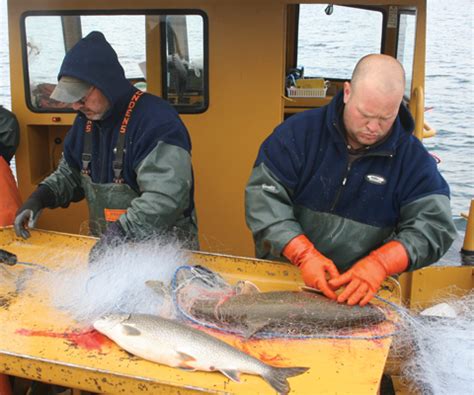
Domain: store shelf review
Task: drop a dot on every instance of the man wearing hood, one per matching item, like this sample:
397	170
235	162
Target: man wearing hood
128	154
348	188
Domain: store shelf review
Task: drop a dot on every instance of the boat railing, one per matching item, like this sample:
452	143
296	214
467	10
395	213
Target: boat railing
418	110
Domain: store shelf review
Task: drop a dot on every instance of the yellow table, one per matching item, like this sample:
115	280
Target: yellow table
41	343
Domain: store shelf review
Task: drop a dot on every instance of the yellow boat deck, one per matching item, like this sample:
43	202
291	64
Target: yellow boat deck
42	343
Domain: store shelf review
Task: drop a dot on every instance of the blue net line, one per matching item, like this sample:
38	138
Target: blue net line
262	334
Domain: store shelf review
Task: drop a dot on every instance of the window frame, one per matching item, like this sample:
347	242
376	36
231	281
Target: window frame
400	14
383	11
182	109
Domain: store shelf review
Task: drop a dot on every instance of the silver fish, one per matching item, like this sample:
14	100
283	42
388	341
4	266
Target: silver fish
174	344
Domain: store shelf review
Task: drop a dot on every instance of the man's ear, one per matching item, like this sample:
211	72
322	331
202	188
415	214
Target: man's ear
347	91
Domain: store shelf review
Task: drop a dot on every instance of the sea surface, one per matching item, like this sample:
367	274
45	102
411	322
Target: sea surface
449	90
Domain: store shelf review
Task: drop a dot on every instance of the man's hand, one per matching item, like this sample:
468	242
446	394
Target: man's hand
28	214
314	266
367	275
112	237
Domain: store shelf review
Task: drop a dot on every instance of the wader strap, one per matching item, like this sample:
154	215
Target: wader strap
87	151
119	150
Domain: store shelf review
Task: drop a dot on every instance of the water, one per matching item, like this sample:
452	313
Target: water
449	91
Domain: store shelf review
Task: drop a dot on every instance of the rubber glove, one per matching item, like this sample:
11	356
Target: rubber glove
28	214
367	275
112	237
314	266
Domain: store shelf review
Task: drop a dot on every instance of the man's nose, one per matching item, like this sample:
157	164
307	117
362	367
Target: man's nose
373	125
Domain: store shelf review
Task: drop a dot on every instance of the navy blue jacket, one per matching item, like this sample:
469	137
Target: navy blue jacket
303	182
93	60
157	156
313	164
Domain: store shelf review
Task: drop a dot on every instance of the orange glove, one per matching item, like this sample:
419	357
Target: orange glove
313	265
366	276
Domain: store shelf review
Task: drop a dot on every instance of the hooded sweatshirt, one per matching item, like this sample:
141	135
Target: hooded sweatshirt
157	156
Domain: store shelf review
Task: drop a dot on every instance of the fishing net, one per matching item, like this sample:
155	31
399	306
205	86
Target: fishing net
114	283
435	353
206	299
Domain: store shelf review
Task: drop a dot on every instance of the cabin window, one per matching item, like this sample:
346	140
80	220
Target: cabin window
406	46
331	39
183	71
165	54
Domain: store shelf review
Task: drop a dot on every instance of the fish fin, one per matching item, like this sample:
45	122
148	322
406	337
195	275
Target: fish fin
128	330
231	374
277	377
254	325
244	287
132	356
186	368
158	286
184	359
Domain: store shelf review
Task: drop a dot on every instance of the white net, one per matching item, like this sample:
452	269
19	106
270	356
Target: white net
436	352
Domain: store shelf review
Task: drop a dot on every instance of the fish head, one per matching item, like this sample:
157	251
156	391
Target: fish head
158	287
109	321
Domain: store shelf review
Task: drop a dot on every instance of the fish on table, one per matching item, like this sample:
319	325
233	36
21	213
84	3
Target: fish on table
296	312
243	309
175	344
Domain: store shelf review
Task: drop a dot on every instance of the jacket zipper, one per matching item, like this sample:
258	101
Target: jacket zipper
343	184
349	166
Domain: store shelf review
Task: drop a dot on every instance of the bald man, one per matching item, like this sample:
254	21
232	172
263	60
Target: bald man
347	193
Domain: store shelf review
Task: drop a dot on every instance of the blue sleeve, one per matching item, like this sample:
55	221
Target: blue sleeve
420	177
283	155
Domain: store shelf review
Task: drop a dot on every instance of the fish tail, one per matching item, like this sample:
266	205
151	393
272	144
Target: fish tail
277	377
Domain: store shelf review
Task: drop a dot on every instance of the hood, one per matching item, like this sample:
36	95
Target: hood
93	60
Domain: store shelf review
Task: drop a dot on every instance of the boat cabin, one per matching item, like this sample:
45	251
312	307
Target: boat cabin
233	69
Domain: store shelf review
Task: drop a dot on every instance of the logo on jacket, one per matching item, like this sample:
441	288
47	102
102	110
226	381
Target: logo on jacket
375	179
269	188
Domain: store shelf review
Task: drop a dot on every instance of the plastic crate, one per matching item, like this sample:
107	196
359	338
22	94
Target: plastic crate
306	92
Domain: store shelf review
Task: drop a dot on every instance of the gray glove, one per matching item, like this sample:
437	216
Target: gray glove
28	214
26	217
